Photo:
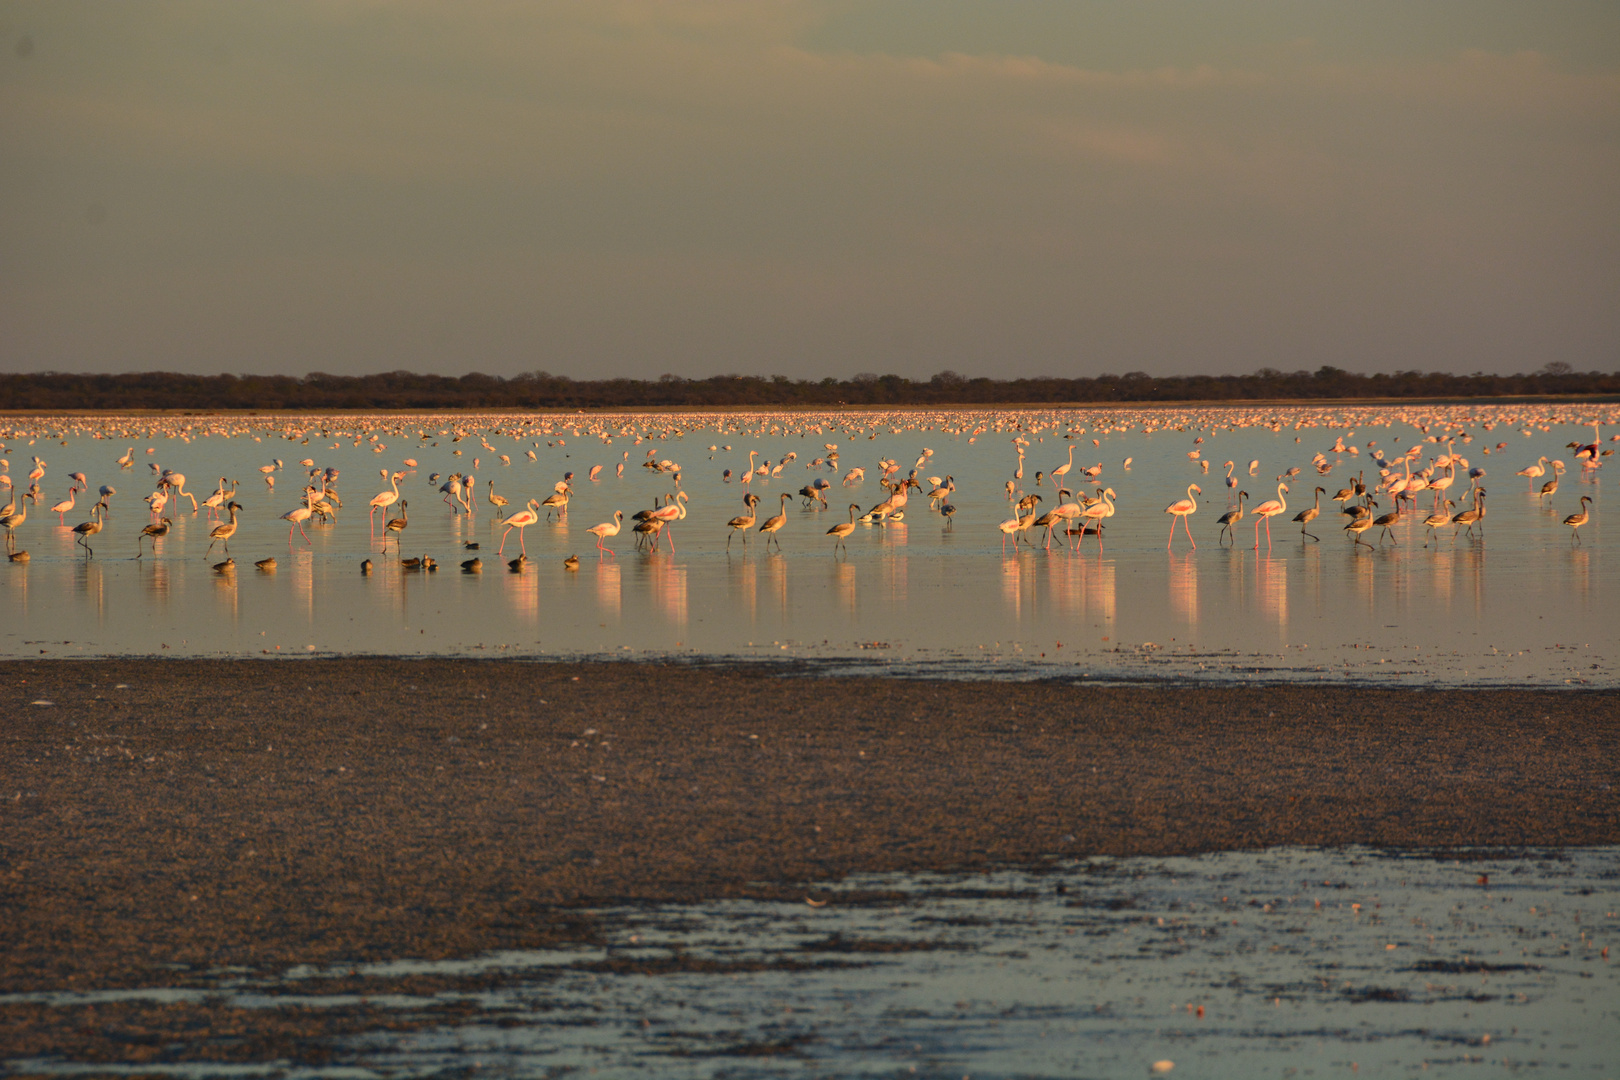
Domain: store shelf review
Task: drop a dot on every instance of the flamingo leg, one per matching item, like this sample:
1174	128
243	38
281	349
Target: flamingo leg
1184	525
1169	544
521	545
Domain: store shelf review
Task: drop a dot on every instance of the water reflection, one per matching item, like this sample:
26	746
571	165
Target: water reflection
92	586
668	581
775	567
742	586
155	582
609	590
523	591
896	569
1184	588
1098	575
1012	584
225	593
1273	589
1067	586
843	581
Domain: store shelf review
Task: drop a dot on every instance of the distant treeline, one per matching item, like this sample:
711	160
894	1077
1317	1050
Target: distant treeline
403	390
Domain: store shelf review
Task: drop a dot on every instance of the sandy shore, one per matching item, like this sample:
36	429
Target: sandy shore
213	813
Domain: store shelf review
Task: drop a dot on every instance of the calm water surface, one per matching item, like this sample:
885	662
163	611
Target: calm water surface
1522	604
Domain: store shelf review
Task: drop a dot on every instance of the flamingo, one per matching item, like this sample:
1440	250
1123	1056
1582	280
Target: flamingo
774	523
383	500
223	533
154	530
1575	521
87	529
1063	470
1266	511
1309	514
605	530
1358	525
396	526
499	502
1534	472
10	521
176	483
842	530
1438	519
65	505
297	516
1104	508
1180	508
557	503
1229	519
673	510
1385	521
1015	527
743	522
1551	486
520	521
1471	517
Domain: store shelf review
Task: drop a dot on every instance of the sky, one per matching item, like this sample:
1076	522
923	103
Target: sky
814	189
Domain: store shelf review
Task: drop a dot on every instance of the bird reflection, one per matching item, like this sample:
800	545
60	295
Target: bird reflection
843	580
1273	586
1580	572
1471	567
226	592
523	592
776	583
1184	587
668	580
1100	592
303	584
743	585
1012	583
895	571
1066	586
93	587
155	582
609	590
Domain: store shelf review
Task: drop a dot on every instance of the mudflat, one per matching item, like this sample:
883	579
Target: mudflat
160	818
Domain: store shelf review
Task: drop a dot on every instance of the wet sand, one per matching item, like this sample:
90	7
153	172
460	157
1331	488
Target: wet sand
265	814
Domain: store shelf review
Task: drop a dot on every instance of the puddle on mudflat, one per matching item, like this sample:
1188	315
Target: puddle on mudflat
1523	604
1283	962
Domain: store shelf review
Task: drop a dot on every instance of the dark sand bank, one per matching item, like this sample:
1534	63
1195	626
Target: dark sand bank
272	813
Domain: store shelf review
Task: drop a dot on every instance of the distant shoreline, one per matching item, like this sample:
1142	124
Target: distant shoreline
404	391
1033	406
214	812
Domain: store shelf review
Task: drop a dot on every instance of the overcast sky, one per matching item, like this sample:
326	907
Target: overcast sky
809	189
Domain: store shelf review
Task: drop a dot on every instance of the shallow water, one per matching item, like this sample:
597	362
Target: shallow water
1285	962
1522	604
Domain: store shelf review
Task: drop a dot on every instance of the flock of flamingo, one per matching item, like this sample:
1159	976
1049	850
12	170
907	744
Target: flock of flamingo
1422	483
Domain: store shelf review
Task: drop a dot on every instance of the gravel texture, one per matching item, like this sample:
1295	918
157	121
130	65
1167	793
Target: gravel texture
211	813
